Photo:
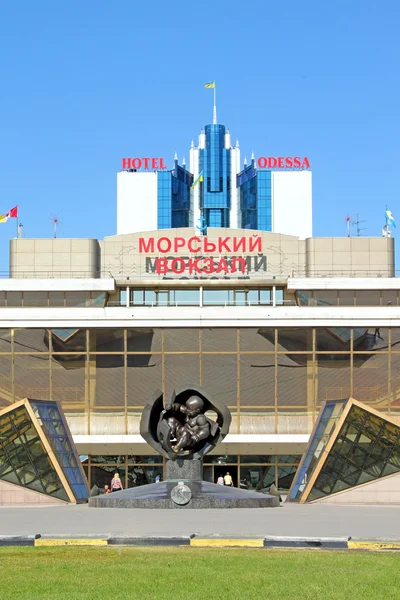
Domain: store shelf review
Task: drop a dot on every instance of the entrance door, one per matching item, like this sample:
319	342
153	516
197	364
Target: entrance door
223	470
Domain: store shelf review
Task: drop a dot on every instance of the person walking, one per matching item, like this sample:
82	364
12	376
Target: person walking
116	483
228	480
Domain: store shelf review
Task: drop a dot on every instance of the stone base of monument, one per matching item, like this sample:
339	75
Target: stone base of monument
184	488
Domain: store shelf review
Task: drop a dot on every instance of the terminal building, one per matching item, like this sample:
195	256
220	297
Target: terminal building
212	279
271	324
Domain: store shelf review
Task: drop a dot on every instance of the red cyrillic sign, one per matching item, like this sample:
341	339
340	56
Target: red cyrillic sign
283	162
203	245
143	163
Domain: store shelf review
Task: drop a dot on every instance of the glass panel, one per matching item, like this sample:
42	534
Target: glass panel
122	297
5	340
368	297
325	426
163	297
181	340
139	475
56	298
213	297
77	298
31	340
137	296
297	339
102	476
107	394
150	297
346	297
2	298
61	443
98	299
106	340
220	377
144	340
6	391
389	297
23	458
187	297
332	377
107	459
32	376
266	297
257	380
295	394
325	297
370	380
279	296
221	459
219	340
143	379
14	298
256	458
257	339
35	298
68	386
257	477
145	459
181	369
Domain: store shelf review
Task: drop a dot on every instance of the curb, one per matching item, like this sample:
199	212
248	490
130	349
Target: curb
197	541
307	542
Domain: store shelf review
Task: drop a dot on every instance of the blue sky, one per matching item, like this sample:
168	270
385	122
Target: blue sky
85	83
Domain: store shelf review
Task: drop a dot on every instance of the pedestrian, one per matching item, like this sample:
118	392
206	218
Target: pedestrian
220	480
107	489
116	483
158	479
228	479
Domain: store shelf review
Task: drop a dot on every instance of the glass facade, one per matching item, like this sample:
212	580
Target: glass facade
215	189
351	446
255	198
37	451
348	298
207	296
174	198
273	380
247	471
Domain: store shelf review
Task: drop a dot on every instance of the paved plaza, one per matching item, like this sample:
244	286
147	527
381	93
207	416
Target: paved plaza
359	522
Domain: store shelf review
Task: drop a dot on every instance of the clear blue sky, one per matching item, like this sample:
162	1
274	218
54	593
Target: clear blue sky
84	83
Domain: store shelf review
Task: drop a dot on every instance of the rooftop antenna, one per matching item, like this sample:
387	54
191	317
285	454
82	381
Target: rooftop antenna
358	223
348	223
56	222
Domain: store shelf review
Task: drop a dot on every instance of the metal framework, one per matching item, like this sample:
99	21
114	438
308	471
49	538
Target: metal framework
37	450
351	444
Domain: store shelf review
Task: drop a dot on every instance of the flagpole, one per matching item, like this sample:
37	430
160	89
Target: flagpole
215	105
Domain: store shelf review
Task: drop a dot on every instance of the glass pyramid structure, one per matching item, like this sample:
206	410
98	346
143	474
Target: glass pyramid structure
37	451
351	445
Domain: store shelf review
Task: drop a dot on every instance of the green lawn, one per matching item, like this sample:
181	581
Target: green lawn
193	573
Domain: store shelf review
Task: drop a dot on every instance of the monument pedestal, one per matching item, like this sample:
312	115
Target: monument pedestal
184	488
183	470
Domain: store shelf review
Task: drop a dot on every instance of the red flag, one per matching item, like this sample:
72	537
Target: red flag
13	212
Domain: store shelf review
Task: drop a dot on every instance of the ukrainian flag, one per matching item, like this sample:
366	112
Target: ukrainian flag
200	178
210	84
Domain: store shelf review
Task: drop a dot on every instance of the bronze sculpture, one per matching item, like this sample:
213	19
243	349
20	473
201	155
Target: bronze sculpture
181	428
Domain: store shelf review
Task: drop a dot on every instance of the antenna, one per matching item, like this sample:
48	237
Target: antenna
56	223
348	223
358	223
